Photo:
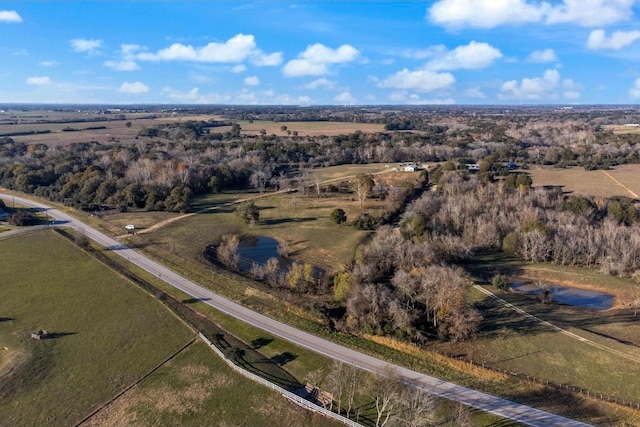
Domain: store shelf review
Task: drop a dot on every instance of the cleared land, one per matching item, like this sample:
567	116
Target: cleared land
620	181
304	128
511	342
195	388
106	333
68	127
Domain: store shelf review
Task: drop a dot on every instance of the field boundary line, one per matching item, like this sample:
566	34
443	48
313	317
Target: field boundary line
136	382
620	184
557	328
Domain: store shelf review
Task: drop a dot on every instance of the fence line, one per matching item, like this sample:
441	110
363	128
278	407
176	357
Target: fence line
291	396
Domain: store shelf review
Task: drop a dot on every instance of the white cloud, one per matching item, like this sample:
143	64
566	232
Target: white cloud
243	97
475	92
618	39
49	63
483	13
591	13
493	13
252	81
237	49
38	81
122	65
322	82
240	68
542	56
128	58
266	60
89	46
470	57
315	60
133	88
548	87
420	80
302	67
635	89
10	16
403	97
345	98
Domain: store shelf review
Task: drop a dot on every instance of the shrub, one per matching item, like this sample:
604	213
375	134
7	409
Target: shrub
500	282
338	216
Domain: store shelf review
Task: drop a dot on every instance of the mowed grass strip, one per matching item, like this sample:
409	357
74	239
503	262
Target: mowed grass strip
107	333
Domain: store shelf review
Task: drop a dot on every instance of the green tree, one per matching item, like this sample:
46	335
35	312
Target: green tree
338	216
178	199
22	218
510	243
248	213
500	282
341	286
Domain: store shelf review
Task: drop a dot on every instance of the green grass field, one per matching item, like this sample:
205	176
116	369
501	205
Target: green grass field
196	388
107	333
511	342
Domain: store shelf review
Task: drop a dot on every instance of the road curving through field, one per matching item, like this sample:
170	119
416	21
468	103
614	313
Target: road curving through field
479	400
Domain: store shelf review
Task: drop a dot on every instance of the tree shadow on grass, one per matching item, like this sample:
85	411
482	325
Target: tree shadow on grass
194	300
284	358
261	342
288	220
55	335
5	319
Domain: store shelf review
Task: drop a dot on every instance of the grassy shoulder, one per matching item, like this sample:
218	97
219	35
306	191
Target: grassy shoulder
106	333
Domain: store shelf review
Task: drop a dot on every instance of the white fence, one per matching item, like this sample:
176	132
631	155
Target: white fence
293	397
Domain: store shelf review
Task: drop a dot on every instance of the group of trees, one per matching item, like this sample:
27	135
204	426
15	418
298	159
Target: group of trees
466	214
169	163
390	400
402	288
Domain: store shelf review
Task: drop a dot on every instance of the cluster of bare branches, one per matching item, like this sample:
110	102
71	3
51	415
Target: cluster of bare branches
536	224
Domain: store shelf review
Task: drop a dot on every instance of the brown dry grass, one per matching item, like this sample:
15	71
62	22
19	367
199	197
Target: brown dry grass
116	130
622	129
453	364
306	128
620	181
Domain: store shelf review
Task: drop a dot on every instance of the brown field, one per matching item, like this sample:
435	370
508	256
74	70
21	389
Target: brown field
621	181
116	130
306	128
622	129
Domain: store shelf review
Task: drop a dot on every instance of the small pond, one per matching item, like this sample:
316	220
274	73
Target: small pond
570	296
260	249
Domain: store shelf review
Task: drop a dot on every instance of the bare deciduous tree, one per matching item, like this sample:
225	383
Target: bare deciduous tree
362	186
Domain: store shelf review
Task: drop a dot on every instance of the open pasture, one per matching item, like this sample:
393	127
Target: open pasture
622	129
195	388
105	333
305	128
69	127
622	180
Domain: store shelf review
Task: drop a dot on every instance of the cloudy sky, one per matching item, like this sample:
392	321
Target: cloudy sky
321	52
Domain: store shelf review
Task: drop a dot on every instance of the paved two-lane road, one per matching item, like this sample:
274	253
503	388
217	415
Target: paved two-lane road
485	402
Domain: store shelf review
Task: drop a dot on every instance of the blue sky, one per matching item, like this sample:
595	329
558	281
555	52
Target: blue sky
321	52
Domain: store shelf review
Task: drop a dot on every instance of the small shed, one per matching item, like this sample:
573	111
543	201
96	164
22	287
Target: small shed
40	335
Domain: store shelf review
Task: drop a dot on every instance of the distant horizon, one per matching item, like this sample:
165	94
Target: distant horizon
337	106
